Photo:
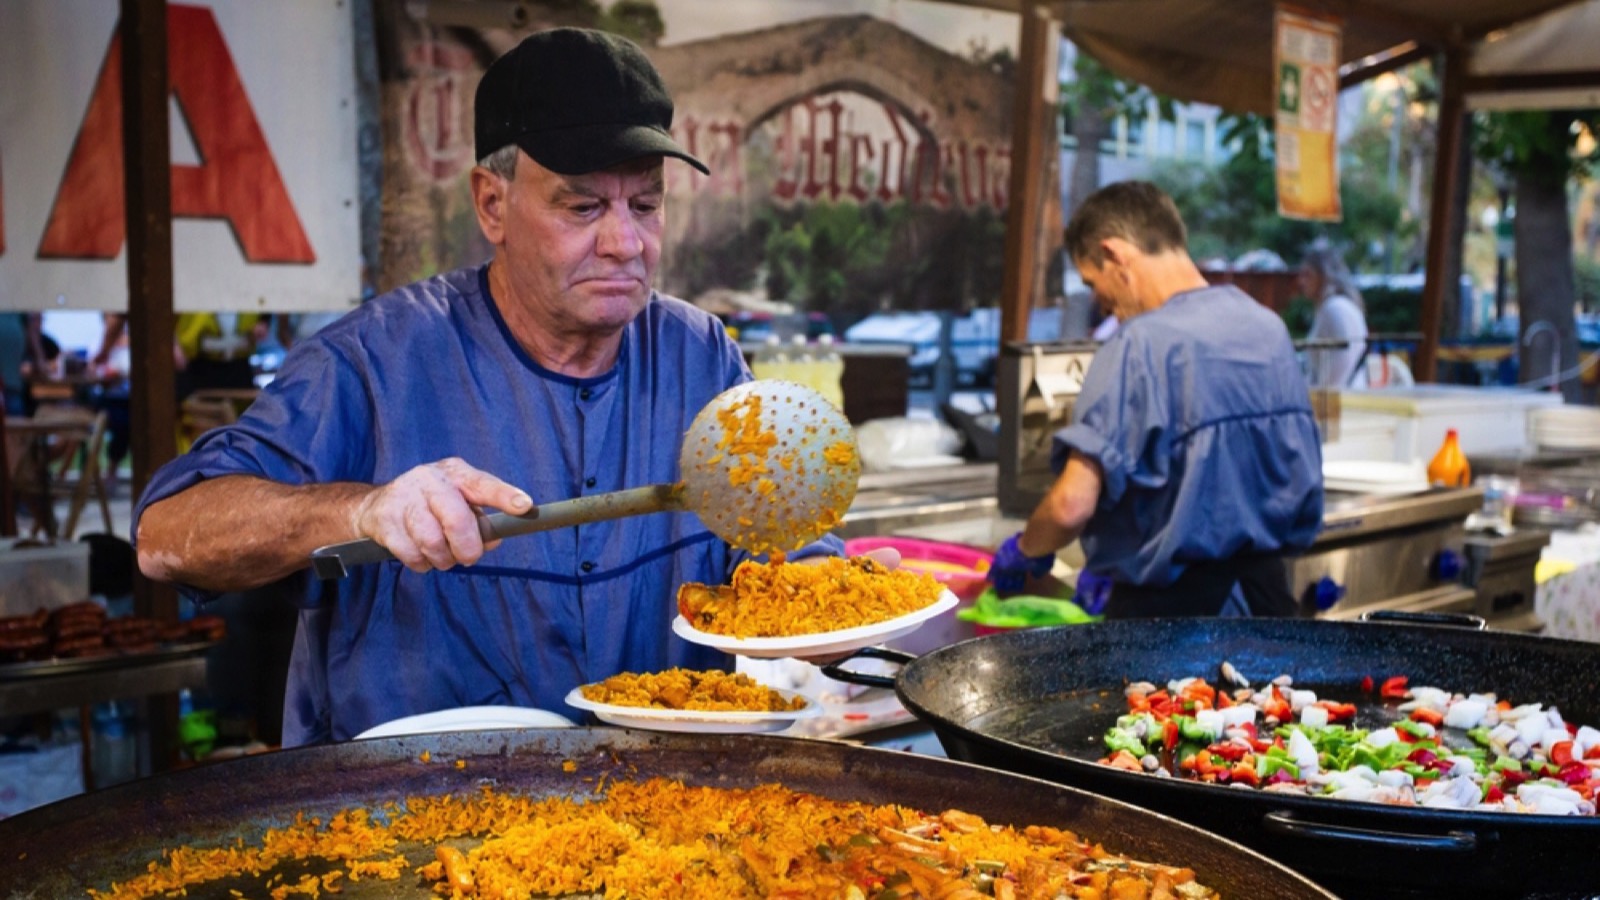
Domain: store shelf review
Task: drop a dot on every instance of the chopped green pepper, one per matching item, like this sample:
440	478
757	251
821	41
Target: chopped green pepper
1117	739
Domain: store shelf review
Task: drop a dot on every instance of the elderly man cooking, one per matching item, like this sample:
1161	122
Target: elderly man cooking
1192	464
553	371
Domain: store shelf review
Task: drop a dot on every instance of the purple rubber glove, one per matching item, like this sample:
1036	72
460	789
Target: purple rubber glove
1011	567
1093	592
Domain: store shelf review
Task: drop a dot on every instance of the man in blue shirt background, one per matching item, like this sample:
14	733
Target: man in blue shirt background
1193	463
552	372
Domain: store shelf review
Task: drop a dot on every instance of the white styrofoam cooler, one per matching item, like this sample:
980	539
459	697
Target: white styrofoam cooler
1413	421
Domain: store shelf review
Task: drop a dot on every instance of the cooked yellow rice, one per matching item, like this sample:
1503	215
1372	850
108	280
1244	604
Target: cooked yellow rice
664	839
690	689
784	599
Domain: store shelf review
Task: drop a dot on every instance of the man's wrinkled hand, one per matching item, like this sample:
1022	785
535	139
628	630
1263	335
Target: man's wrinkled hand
1011	568
428	517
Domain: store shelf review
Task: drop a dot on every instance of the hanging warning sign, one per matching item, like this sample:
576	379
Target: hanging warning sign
1306	53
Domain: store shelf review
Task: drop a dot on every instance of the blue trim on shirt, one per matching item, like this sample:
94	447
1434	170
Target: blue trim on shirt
1223	420
530	362
592	578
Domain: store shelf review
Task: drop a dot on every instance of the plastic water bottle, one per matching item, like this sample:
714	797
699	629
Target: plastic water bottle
802	365
769	360
830	371
115	753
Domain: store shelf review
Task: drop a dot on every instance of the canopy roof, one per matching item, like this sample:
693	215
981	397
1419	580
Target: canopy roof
1220	51
1544	63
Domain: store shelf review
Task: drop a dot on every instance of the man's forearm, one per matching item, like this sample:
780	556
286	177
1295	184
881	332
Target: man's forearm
1064	512
1044	534
239	532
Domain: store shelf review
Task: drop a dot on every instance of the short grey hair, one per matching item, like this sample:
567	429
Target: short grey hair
1135	211
502	162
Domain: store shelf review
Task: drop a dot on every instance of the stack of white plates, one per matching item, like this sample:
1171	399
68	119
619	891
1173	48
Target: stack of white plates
1565	427
1371	476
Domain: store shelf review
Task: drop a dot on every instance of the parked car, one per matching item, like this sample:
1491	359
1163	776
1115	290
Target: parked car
974	339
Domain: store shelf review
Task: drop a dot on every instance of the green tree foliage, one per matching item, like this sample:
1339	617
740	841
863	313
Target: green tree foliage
1540	144
1540	153
1232	208
637	20
843	258
1089	104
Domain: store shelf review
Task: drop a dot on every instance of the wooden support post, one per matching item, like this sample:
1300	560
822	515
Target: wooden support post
147	174
1442	211
1032	136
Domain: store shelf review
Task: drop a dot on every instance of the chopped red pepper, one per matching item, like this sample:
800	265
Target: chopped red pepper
1394	688
1422	756
1245	772
1592	752
1228	750
1366	684
1337	712
1493	795
1561	753
1428	716
1122	759
1170	734
1574	773
1223	700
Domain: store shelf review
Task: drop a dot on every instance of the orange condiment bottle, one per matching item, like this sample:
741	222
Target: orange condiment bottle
1449	467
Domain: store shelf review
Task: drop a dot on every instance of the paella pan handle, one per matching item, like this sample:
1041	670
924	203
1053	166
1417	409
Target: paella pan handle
833	670
1443	620
1284	824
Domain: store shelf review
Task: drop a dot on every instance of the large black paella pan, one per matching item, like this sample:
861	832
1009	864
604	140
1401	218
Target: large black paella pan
87	842
1038	702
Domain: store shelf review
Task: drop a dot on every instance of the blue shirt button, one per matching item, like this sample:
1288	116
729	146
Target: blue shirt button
587	567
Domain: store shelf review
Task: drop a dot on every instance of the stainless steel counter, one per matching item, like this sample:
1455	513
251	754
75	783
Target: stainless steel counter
1347	517
890	502
1388	551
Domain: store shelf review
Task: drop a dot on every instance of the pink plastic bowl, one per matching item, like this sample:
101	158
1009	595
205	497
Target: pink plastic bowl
960	568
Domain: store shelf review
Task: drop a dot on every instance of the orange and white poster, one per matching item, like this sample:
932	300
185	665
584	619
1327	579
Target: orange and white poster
1306	60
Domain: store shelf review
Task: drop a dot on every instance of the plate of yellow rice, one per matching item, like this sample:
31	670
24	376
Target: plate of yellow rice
820	606
653	709
823	643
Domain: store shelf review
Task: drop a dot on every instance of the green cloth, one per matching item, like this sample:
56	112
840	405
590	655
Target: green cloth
1023	612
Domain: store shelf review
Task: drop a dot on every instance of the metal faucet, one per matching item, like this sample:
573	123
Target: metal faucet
1555	348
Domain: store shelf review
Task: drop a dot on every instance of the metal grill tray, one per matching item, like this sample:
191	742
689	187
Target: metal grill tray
115	659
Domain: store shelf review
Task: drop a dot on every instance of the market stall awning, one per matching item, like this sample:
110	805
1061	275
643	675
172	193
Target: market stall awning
1545	63
1220	51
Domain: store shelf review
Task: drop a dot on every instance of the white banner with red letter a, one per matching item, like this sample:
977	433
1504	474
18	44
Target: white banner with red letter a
264	168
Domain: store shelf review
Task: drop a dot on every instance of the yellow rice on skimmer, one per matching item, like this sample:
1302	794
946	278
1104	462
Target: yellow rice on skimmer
783	599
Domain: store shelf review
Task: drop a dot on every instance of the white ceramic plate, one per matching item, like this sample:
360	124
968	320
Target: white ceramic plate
695	720
468	718
1569	441
1369	476
821	644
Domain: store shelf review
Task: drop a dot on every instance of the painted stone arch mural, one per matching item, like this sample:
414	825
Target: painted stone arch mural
855	166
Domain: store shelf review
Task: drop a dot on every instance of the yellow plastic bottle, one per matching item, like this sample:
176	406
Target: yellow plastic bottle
1449	467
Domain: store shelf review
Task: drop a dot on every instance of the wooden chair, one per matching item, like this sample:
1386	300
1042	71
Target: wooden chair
90	480
41	452
201	412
